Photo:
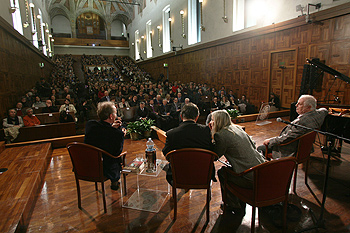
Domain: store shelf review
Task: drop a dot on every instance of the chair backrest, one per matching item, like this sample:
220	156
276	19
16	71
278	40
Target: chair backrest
272	179
87	161
129	113
191	167
305	146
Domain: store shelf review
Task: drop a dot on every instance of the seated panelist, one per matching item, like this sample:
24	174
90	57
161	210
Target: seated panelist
309	116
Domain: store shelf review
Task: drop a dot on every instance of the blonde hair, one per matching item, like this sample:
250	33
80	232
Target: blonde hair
221	120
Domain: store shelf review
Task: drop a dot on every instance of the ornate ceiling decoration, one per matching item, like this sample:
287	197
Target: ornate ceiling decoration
108	10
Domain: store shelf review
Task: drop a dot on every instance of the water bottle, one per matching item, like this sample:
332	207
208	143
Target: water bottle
151	156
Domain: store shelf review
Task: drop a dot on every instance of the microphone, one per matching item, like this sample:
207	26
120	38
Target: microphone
279	119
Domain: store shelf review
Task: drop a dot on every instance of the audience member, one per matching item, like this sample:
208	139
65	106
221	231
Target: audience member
12	120
274	102
124	104
38	103
67	106
106	97
65	117
142	113
19	109
49	108
108	135
30	119
235	144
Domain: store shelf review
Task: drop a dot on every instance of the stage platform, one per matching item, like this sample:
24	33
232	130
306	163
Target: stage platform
21	184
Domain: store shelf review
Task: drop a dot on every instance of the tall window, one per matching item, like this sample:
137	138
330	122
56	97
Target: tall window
42	32
166	29
194	19
246	13
137	45
238	15
16	16
33	23
149	38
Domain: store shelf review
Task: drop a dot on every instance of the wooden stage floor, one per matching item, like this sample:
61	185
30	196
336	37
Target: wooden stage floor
57	210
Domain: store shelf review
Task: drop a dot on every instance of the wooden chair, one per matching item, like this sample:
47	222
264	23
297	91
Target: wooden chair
88	165
270	185
302	155
192	169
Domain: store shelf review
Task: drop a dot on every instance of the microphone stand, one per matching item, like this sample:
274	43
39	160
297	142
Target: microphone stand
320	221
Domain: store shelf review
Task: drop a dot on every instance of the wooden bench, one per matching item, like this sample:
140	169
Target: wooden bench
55	142
21	184
50	118
40	132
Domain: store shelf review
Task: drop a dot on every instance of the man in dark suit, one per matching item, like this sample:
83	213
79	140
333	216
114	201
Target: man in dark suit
141	112
188	135
106	97
165	117
215	104
109	136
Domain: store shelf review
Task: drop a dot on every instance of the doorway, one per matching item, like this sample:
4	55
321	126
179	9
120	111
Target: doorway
282	76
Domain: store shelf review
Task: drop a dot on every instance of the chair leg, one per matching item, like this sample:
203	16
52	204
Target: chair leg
253	219
78	190
124	184
295	180
96	187
175	202
307	170
208	203
104	196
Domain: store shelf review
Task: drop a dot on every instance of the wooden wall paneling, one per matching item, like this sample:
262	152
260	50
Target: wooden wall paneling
256	44
341	28
283	39
320	32
245	46
269	42
299	35
340	52
320	51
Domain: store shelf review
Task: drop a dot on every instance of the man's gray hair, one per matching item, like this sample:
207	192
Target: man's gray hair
104	109
309	100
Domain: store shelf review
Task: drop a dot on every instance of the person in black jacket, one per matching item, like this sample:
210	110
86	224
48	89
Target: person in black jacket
142	112
188	135
108	135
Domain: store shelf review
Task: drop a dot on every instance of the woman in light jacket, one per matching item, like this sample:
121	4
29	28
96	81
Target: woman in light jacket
235	144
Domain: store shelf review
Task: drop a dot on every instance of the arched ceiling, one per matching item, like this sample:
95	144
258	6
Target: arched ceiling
108	10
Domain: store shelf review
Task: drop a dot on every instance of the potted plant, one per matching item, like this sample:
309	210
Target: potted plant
234	113
134	129
146	127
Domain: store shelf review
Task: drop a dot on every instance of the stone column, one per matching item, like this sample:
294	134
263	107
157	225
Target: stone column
73	28
109	30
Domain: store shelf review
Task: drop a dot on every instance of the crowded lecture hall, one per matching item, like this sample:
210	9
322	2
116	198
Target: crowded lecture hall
188	115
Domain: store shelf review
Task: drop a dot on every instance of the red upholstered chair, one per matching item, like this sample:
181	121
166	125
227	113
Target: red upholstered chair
270	185
192	169
302	155
88	166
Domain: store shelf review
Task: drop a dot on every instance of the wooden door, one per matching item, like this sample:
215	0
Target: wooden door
282	78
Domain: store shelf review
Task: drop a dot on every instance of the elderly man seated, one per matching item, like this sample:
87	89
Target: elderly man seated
12	120
309	116
11	125
30	119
